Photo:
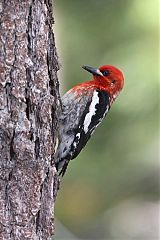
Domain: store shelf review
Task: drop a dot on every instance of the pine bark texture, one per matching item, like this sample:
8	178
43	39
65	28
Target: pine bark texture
28	120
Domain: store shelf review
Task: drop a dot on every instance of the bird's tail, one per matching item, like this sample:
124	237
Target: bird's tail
62	166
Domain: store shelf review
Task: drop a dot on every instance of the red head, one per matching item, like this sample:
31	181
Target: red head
107	78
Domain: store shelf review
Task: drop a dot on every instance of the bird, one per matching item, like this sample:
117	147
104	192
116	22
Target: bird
83	108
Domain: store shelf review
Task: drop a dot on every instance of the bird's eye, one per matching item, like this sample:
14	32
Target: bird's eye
105	73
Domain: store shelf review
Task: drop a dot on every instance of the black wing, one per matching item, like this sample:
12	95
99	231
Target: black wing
82	134
82	115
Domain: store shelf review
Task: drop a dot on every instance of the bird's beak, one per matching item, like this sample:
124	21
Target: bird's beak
94	71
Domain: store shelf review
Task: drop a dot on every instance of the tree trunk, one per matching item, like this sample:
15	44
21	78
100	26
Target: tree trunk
28	120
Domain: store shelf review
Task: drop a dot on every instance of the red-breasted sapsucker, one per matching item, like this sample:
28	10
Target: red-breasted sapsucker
83	108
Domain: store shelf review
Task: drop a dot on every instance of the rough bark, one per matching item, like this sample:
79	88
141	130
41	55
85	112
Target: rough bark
28	119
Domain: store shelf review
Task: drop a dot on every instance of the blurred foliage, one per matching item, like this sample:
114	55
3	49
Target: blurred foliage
120	163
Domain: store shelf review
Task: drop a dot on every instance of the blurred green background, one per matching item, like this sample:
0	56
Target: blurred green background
111	190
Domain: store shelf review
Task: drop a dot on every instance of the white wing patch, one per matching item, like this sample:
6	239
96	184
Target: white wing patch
78	135
92	111
77	139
